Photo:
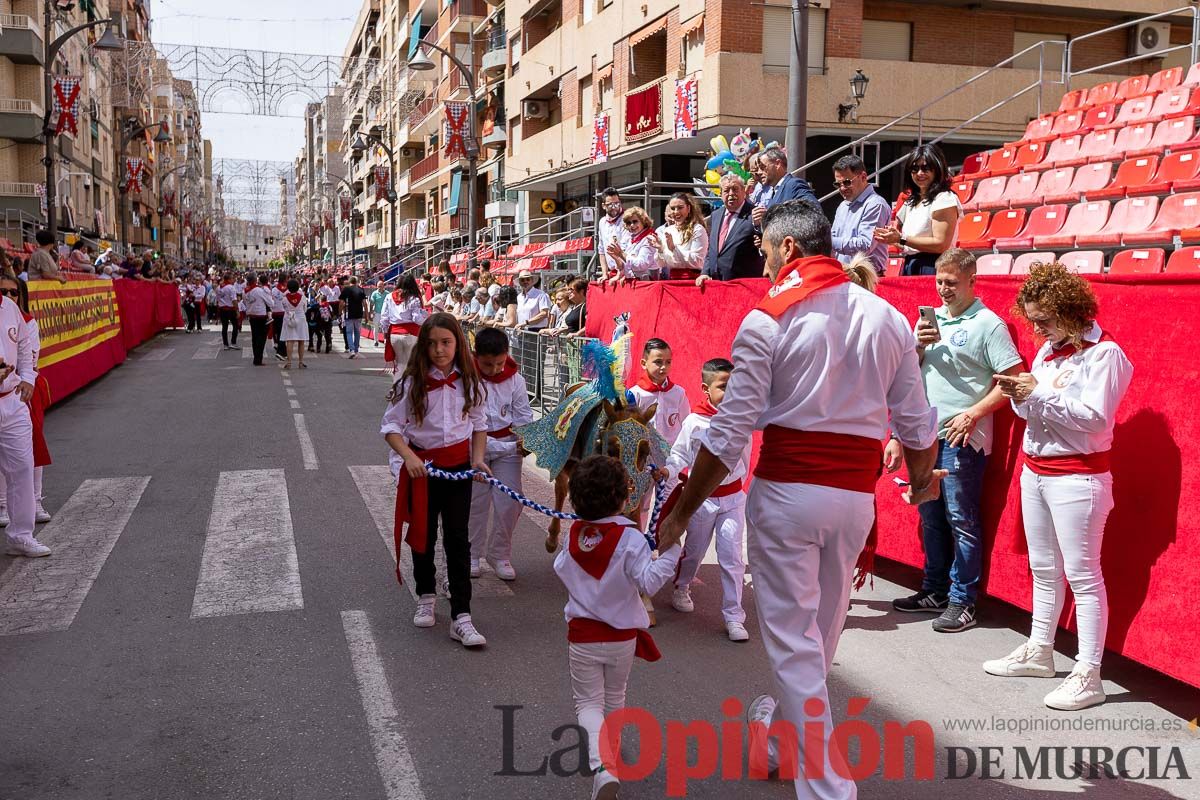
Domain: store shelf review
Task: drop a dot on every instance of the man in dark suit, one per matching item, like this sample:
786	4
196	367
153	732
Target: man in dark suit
732	252
780	185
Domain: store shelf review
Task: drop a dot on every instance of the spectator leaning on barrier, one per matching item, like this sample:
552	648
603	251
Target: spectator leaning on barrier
732	253
506	308
42	264
574	317
640	258
81	257
610	230
958	357
683	241
533	305
861	211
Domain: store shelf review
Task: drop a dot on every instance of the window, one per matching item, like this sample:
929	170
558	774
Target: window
1030	60
514	52
589	10
777	38
886	41
587	107
606	93
693	51
648	59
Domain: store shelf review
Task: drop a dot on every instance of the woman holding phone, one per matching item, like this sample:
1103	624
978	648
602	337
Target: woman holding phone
1069	402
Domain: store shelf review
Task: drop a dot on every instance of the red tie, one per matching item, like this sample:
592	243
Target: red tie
725	224
437	383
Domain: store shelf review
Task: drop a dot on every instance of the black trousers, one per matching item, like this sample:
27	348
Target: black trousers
258	337
276	332
193	316
325	329
919	264
229	317
449	503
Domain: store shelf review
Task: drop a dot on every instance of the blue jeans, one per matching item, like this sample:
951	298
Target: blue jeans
952	527
353	334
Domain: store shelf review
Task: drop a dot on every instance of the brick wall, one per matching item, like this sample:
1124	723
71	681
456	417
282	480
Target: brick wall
570	97
732	26
650	59
843	29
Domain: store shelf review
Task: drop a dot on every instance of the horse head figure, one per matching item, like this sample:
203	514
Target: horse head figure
627	436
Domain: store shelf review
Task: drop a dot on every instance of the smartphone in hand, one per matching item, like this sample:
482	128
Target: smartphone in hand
929	315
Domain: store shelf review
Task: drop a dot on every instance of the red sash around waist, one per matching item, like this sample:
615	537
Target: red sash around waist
1074	464
585	630
409	328
840	460
500	434
412	496
724	490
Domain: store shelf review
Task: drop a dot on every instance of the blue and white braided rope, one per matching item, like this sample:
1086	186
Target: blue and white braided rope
660	496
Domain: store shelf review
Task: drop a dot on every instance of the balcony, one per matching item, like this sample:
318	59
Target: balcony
21	197
21	39
421	111
496	140
467	8
423	169
20	120
495	58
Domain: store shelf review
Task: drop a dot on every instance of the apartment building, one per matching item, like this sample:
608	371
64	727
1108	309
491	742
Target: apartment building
318	170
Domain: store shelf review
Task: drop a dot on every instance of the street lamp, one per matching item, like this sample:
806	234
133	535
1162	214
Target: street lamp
131	128
108	41
361	142
858	90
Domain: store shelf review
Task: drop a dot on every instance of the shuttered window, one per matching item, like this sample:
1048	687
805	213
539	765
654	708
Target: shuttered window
886	41
777	37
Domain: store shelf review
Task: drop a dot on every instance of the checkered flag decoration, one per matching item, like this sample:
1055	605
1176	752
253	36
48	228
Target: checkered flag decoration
133	174
600	139
686	90
66	103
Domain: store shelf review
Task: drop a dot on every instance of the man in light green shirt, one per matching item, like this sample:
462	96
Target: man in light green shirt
380	294
958	359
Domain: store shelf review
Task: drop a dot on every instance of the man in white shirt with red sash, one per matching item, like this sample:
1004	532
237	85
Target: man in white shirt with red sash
818	366
18	374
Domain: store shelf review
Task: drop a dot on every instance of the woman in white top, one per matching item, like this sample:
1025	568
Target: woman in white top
926	225
401	318
641	260
1069	401
295	325
683	240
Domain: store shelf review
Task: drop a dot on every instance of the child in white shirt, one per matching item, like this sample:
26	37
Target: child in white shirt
655	386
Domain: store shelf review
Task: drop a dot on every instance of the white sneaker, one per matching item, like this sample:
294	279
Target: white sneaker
425	617
27	546
503	569
1030	660
605	785
463	630
1081	689
476	571
681	600
41	514
761	709
737	632
4	517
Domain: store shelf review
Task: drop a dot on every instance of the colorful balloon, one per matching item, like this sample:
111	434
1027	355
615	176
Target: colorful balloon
718	144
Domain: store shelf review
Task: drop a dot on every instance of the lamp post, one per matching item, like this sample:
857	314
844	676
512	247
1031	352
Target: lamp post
797	126
858	90
422	63
107	41
129	129
361	142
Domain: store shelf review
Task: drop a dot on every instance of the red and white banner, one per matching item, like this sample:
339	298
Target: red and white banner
383	175
187	222
686	91
134	168
643	113
327	218
344	207
66	103
600	139
168	204
456	129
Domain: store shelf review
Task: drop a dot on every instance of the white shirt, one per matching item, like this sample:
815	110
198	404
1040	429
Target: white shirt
493	290
530	304
258	302
19	347
607	232
439	301
227	295
683	452
641	260
1073	409
684	256
331	293
918	220
444	423
673	406
407	310
197	292
614	598
277	299
836	362
507	405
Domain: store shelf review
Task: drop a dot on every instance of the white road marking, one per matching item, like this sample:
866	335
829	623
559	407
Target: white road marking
207	351
247	352
249	562
294	403
287	381
392	756
290	392
378	491
45	594
157	354
306	445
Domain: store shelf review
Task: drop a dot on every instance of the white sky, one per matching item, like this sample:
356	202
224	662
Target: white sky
292	26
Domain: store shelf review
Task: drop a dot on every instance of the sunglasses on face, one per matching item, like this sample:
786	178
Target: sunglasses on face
846	184
921	168
10	292
629	223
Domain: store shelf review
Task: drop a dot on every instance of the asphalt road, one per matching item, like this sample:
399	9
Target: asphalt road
221	619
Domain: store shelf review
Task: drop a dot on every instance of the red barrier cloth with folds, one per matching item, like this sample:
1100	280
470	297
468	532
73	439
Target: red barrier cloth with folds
147	307
1151	554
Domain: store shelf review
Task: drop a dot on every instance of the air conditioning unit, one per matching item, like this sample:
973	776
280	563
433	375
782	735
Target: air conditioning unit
408	152
1150	37
534	109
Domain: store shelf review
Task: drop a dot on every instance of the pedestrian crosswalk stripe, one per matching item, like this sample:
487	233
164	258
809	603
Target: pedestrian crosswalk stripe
247	352
249	563
306	445
378	490
207	351
45	594
157	354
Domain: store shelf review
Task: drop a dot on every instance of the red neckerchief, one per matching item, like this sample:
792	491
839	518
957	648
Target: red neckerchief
645	232
28	317
510	369
704	408
592	545
397	297
645	383
281	286
294	298
1071	349
226	283
432	383
323	301
799	279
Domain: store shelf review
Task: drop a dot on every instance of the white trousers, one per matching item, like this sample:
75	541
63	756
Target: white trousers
599	675
494	514
803	543
1064	519
16	464
38	496
724	518
402	344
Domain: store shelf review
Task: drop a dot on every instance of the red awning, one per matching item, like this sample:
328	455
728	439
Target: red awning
645	33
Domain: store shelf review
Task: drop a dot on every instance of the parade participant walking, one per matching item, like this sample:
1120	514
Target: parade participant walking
494	514
353	300
17	289
227	305
378	297
437	414
295	326
401	318
18	376
1070	401
655	387
193	302
258	311
277	293
820	364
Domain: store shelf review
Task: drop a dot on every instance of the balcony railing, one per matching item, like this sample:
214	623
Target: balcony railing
497	39
467	8
19	21
459	221
11	189
422	110
10	105
423	168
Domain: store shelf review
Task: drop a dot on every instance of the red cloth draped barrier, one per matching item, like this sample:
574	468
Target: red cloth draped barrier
146	308
1151	550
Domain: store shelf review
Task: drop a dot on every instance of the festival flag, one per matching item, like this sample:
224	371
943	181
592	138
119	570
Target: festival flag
383	175
66	103
686	91
168	203
134	168
344	206
456	129
327	217
600	139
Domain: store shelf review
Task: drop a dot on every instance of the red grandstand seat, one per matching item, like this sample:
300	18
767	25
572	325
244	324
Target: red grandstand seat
975	163
963	187
993	264
1179	172
988	193
1055	182
1082	219
1067	122
1023	262
1136	110
1072	100
1099	146
1178	213
1185	259
1003	161
894	265
1004	225
1030	155
1022	190
1167	134
1173	103
1039	129
1085	262
1133	138
1165	79
973	226
1042	221
1129	262
1101	93
1131	215
1133	172
1088	178
1193	75
1064	151
1133	87
1101	116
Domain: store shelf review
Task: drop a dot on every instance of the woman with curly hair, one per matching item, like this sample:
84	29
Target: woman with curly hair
1069	402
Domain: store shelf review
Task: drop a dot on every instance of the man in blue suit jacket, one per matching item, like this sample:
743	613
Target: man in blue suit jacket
732	251
780	185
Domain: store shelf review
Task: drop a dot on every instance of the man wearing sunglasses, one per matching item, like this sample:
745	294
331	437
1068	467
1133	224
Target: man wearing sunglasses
611	230
862	210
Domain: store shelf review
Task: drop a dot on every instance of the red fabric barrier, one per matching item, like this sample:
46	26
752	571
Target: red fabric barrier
147	307
1152	541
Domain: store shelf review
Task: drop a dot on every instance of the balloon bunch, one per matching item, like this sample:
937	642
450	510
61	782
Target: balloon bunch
728	157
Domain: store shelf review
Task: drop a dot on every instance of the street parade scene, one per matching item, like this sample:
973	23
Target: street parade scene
521	399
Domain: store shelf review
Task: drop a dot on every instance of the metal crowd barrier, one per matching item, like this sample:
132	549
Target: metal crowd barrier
549	364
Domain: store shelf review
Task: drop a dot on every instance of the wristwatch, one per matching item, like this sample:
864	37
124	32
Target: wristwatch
903	242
